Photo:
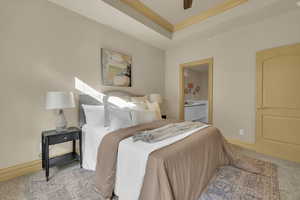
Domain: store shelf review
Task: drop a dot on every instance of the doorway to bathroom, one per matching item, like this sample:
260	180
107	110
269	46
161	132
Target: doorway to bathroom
196	91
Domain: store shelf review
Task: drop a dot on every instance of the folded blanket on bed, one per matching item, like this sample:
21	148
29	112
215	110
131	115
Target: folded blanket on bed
162	133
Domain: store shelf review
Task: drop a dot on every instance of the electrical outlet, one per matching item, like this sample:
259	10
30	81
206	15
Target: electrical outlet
242	132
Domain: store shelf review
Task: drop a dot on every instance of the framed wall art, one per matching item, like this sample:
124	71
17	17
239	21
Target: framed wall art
115	68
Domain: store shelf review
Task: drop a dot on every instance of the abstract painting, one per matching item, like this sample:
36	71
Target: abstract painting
116	68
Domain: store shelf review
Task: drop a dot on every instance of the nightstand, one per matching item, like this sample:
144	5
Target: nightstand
53	137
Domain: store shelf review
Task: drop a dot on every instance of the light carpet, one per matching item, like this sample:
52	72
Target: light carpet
229	183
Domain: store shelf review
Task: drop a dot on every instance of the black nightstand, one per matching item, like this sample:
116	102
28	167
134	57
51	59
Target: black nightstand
52	137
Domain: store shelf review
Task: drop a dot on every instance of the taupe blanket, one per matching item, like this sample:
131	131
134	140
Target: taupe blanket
179	171
108	152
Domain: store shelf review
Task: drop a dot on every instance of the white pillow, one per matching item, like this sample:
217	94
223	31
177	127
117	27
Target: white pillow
143	116
119	118
94	114
154	106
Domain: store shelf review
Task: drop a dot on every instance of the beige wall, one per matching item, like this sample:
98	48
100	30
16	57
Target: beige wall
234	70
198	79
42	48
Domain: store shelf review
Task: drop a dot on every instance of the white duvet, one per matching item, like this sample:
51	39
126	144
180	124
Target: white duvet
132	161
91	139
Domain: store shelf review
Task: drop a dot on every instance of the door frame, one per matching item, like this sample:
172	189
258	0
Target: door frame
208	61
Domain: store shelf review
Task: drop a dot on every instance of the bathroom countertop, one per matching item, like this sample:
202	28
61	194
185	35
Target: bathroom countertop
195	103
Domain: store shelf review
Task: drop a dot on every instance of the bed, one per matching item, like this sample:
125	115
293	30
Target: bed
177	168
91	138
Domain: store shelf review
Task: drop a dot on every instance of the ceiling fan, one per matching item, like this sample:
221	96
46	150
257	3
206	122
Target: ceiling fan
187	4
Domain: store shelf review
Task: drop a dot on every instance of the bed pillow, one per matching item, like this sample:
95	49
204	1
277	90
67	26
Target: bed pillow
94	114
139	106
115	101
154	106
139	99
119	118
143	116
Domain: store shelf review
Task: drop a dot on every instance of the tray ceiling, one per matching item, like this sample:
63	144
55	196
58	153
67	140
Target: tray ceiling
170	14
172	10
128	20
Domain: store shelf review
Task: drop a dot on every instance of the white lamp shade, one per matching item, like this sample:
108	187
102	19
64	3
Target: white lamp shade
156	98
60	100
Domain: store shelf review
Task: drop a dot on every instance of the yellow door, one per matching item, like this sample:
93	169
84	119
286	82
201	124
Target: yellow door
278	102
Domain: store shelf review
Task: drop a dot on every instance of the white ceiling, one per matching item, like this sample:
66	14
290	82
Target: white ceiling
172	10
136	25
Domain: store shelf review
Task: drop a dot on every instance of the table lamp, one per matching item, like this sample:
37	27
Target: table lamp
59	101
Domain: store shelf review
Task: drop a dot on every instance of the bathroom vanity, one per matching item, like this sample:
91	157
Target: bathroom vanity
196	110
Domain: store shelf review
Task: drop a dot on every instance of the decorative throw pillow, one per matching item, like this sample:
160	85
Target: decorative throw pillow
94	114
143	116
139	106
139	99
154	106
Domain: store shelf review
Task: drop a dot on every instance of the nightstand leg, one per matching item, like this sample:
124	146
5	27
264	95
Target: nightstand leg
74	146
80	148
47	159
43	152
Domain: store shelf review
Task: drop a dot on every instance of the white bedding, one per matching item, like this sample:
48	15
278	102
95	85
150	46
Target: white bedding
131	164
91	138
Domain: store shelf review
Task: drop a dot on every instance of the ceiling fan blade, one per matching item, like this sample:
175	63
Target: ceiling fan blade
187	4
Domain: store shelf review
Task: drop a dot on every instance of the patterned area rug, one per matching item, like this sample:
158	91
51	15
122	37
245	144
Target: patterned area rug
69	183
73	183
230	183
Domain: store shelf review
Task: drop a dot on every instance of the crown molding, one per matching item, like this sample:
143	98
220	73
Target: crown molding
149	13
155	17
227	5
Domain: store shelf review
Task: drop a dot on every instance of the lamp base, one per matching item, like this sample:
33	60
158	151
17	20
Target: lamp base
61	122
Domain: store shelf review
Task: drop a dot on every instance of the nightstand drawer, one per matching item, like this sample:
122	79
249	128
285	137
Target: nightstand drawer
60	138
